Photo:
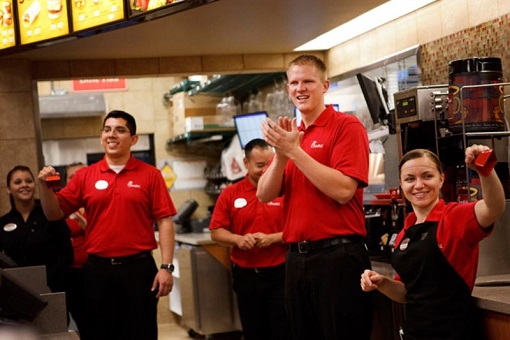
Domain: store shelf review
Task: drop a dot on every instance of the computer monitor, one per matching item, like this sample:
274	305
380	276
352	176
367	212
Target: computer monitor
373	93
248	126
183	216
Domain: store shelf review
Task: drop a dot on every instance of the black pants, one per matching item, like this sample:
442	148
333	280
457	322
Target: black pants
75	297
260	298
323	296
120	302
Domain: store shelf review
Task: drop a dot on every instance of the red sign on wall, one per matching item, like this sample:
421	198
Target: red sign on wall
104	84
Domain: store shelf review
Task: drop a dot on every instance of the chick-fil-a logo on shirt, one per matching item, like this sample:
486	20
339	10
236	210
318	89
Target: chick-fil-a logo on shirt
132	185
316	145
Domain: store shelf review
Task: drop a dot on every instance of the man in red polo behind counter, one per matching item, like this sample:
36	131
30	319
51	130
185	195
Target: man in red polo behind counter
321	168
254	231
123	198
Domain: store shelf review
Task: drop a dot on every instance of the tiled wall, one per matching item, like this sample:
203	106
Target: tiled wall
489	39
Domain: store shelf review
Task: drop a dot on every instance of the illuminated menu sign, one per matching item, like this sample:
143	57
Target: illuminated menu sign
7	33
42	20
93	13
142	6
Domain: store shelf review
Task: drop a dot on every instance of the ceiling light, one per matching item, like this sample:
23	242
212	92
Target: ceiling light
376	17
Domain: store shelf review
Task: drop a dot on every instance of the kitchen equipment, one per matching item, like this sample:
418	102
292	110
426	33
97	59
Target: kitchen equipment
420	103
384	218
183	216
478	108
420	112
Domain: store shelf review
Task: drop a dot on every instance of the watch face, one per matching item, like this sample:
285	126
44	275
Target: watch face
169	267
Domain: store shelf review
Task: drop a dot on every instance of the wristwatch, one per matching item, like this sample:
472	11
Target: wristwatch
168	266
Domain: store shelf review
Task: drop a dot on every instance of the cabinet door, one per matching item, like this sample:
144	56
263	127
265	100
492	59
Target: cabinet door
496	325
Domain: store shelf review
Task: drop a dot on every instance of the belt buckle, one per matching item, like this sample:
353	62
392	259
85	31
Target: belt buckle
257	270
114	262
303	247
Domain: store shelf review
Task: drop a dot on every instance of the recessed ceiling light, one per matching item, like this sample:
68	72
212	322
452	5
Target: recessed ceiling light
376	17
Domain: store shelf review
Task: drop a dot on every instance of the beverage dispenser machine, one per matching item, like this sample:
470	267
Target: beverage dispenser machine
420	113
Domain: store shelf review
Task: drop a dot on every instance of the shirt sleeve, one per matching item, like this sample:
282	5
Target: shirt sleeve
221	214
351	152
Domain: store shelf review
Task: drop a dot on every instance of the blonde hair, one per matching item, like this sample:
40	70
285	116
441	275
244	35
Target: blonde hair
309	59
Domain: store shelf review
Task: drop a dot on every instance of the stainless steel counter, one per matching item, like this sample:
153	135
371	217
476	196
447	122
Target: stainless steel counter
203	266
196	239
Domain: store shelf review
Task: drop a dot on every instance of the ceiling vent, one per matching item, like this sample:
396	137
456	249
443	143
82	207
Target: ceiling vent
72	105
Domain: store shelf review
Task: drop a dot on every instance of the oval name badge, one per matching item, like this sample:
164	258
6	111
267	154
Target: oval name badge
10	227
240	203
404	244
101	184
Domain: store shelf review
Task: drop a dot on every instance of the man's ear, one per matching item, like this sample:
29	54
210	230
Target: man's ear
134	139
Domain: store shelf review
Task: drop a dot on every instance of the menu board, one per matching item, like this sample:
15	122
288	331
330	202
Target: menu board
42	20
7	33
92	13
142	6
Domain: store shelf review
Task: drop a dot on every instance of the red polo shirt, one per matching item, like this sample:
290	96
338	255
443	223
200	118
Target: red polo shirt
239	211
121	208
339	141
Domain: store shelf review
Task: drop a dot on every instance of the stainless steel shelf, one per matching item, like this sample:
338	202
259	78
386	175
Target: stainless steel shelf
495	134
203	136
237	84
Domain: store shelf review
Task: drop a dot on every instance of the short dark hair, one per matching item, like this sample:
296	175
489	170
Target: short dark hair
310	59
69	166
254	143
130	120
74	164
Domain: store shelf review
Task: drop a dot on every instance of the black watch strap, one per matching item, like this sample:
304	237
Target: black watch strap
168	266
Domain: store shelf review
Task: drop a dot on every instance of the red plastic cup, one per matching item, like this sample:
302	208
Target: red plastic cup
485	162
53	182
394	193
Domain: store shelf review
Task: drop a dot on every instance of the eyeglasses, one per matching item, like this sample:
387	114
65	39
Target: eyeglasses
119	130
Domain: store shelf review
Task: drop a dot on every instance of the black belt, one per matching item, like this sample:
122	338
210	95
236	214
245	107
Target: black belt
119	260
257	270
306	247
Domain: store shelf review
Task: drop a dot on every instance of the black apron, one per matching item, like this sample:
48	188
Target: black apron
439	303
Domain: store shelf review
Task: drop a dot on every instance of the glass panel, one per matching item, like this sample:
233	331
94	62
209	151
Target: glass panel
399	73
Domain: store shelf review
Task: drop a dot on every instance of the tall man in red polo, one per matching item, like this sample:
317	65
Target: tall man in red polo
124	198
321	167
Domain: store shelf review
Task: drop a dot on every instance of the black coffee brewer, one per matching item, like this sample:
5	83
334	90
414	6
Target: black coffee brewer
384	219
183	217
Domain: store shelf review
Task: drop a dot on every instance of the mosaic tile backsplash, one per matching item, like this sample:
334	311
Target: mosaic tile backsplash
490	39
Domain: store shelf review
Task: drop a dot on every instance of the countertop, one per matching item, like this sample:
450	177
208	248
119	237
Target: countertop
195	239
495	297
